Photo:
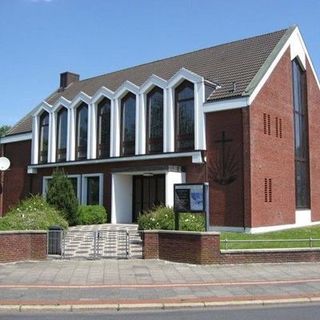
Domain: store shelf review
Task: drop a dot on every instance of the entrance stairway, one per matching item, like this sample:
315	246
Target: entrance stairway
121	241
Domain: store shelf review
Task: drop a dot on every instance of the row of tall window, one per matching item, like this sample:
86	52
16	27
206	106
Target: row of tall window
184	125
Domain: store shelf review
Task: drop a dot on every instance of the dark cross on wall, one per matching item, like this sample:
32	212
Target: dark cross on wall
223	142
223	170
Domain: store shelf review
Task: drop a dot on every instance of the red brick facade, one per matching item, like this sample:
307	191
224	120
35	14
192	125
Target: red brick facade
23	245
272	169
226	197
16	180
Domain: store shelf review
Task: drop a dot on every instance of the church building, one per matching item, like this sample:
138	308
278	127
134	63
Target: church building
243	117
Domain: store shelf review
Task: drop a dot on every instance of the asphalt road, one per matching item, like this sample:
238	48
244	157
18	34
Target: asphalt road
288	312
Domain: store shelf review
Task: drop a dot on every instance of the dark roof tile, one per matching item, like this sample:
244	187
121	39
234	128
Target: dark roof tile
235	62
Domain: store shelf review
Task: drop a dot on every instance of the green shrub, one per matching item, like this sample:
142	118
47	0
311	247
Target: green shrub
192	222
33	213
94	214
162	218
61	195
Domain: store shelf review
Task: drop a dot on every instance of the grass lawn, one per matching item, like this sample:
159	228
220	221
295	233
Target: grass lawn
288	235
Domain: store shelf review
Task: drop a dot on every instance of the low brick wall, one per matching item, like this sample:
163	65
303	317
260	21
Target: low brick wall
23	245
204	248
269	256
181	246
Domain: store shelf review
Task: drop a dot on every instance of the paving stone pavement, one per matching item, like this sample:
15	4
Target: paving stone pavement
102	241
153	281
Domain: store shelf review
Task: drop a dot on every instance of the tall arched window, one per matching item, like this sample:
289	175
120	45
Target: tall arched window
184	116
82	131
103	128
155	121
128	124
44	137
62	129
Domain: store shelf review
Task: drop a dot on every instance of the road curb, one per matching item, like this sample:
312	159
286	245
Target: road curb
160	306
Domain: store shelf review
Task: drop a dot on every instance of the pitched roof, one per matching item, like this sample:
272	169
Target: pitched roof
236	63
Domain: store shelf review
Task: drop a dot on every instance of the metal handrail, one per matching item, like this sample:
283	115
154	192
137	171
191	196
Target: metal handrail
309	240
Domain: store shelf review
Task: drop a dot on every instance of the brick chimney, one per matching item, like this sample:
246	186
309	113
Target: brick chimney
67	78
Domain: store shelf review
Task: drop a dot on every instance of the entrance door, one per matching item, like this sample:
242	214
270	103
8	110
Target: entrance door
148	191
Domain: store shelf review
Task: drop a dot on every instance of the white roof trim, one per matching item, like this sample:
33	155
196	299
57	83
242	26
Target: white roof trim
226	104
308	56
102	92
127	86
16	138
193	154
43	106
184	74
152	81
80	97
61	102
289	43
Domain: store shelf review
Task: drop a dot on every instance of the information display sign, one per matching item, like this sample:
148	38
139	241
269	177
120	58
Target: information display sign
189	198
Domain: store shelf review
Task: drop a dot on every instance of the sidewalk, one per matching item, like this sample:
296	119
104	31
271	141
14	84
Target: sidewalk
120	284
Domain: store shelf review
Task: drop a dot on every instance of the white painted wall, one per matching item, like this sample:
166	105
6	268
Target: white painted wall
171	179
121	205
303	217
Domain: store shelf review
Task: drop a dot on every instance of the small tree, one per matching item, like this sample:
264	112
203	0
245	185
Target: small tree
4	129
61	195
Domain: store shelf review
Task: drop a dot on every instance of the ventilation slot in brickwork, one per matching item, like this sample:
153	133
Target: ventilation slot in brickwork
266	124
267	190
270	190
278	127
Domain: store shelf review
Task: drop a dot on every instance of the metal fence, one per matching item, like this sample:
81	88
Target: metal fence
227	244
115	244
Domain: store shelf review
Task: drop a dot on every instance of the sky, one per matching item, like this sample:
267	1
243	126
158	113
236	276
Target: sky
39	39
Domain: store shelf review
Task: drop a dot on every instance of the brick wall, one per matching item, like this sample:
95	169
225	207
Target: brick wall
180	246
272	170
16	180
204	248
23	245
226	197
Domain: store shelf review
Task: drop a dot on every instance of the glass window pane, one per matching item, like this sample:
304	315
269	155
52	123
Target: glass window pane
128	123
155	121
301	137
62	122
185	117
93	190
103	136
44	137
82	131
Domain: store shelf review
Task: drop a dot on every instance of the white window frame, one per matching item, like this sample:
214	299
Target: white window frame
84	180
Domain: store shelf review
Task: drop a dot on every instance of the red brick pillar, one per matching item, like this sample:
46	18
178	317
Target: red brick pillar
150	244
210	248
